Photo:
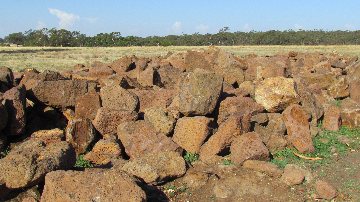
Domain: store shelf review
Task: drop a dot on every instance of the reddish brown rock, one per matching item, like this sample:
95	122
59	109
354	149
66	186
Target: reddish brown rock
49	136
3	116
107	120
298	128
139	138
87	105
248	147
350	113
292	176
80	133
90	185
15	100
191	132
339	88
332	119
100	71
160	119
146	77
354	91
124	64
324	190
104	151
6	79
168	76
117	98
154	98
263	166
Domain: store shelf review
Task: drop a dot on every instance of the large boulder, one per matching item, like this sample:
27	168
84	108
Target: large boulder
199	92
49	136
61	93
107	120
154	98
248	146
167	76
87	105
91	185
80	133
339	88
118	98
156	167
104	151
332	119
139	138
162	121
298	128
191	132
350	113
276	93
28	163
15	100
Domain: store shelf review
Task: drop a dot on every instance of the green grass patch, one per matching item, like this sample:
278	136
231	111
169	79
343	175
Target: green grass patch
227	162
82	163
326	144
190	157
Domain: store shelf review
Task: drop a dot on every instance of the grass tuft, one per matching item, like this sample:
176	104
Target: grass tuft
190	157
82	163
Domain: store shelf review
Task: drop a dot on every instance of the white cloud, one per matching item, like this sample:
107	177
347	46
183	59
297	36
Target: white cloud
202	28
40	25
66	20
246	28
177	27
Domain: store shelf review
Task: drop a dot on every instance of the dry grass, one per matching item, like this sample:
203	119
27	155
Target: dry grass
58	58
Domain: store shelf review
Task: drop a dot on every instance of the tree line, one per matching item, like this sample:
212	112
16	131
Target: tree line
66	38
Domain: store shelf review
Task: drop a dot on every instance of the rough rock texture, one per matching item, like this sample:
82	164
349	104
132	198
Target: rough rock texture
263	166
80	133
104	151
162	121
118	98
298	128
15	100
61	93
6	79
350	113
139	138
29	162
146	77
156	168
87	105
248	146
3	116
107	120
223	137
49	136
199	92
276	93
324	190
292	175
191	132
332	119
154	98
168	76
339	88
91	185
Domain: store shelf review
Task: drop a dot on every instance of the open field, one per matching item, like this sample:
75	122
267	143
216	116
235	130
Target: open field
57	58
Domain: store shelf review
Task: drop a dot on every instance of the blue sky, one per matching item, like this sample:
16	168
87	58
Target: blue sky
163	17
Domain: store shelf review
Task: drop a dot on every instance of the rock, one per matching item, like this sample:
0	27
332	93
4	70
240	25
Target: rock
276	124
91	185
6	79
263	166
156	168
117	98
248	146
28	163
298	128
15	100
162	121
61	93
194	179
107	120
276	143
154	98
292	175
324	190
199	92
226	133
168	76
276	93
354	91
332	119
49	136
260	118
3	116
80	133
238	106
139	138
146	77
87	105
100	71
350	113
191	132
339	88
104	151
124	64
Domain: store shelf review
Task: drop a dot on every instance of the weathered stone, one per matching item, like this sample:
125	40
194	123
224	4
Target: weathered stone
263	166
248	146
260	118
298	128
80	133
91	185
100	71
28	163
87	105
156	168
354	91
191	132
276	143
154	98
104	151
199	92
276	93
107	120
162	121
146	77
332	119
350	113
124	64
3	116
324	190
6	79
168	76
292	175
15	100
339	88
139	138
117	98
194	179
49	136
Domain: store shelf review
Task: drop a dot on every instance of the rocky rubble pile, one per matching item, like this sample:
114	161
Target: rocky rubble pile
134	120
